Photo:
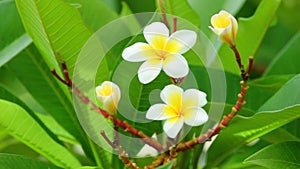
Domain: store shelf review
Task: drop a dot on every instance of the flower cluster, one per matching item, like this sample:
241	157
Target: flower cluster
163	51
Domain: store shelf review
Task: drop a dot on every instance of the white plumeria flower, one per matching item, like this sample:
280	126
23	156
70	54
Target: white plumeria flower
163	51
225	26
179	107
109	95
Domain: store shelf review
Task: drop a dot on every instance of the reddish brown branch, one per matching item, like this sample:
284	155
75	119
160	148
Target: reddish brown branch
160	160
117	122
224	122
123	155
239	62
174	24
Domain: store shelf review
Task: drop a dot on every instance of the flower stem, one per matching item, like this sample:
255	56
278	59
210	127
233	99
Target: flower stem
239	62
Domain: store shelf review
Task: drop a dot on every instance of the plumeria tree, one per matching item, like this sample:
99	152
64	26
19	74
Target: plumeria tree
108	84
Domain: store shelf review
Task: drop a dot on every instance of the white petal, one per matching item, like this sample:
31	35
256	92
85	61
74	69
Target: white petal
172	96
137	52
193	98
195	116
181	41
155	112
175	66
149	70
155	29
148	150
173	126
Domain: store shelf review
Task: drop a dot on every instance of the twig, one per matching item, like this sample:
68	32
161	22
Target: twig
160	160
239	62
123	155
117	122
174	24
226	119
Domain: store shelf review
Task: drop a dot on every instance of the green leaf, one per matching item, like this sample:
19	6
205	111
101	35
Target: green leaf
277	112
13	28
12	161
280	135
179	8
266	85
250	34
167	166
287	96
56	28
32	74
278	156
23	127
14	48
56	128
287	60
95	13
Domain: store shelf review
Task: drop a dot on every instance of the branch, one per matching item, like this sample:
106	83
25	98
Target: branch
223	124
235	109
117	122
123	155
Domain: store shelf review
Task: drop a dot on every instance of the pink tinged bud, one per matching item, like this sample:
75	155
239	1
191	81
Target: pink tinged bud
109	95
225	26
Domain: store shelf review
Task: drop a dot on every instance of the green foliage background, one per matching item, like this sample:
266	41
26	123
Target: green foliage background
38	124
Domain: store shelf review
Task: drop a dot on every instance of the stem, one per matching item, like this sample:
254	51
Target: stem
123	155
239	62
174	24
160	160
161	4
117	122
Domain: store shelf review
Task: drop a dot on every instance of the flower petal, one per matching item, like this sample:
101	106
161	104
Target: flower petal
172	96
181	41
109	94
156	112
138	52
195	116
173	126
175	66
221	20
156	34
149	70
193	98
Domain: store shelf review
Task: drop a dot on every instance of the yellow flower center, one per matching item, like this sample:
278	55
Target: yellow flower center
221	21
106	90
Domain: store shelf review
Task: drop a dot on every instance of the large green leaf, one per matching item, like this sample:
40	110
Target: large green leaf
287	61
250	34
59	33
179	8
56	28
12	161
22	126
278	156
95	13
14	48
31	72
13	28
276	112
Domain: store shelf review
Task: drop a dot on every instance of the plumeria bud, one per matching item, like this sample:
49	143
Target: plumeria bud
163	51
225	26
179	107
109	95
